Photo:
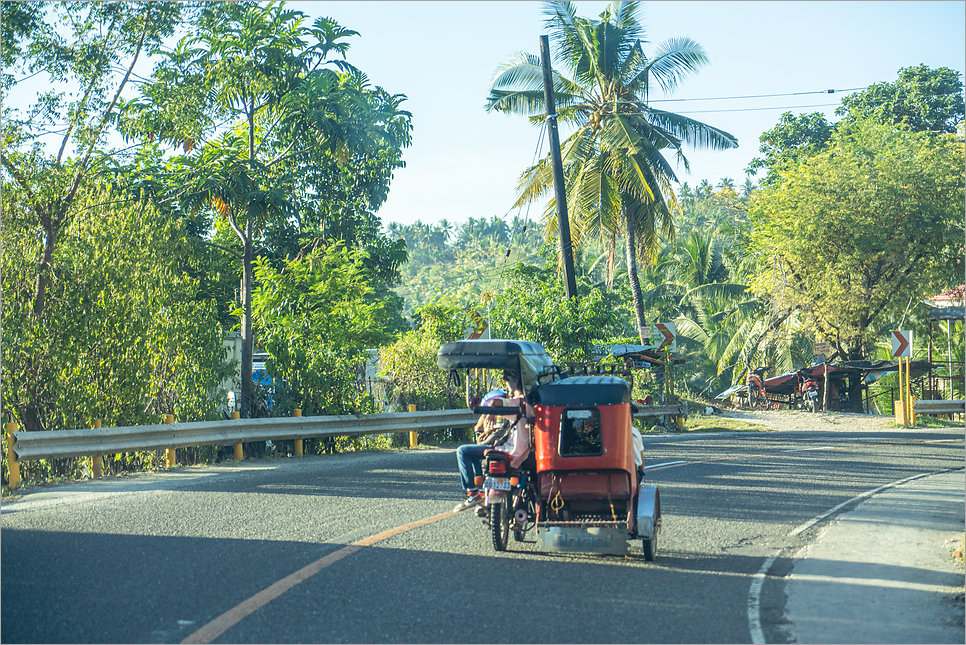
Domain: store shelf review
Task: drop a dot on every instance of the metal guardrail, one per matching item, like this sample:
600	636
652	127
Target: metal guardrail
86	442
939	407
56	444
675	410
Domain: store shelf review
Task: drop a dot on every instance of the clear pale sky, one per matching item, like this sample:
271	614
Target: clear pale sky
465	162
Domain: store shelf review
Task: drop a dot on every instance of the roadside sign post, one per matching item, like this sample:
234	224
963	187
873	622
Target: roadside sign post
910	409
902	349
823	349
900	410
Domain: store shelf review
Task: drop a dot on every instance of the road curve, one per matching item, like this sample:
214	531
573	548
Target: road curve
163	558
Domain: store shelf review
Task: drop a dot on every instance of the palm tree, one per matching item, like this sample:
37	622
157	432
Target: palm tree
617	179
705	189
748	187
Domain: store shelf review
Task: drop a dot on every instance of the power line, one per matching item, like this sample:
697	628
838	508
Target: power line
787	107
759	96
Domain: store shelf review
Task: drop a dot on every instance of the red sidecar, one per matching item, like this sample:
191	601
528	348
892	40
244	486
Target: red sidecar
589	497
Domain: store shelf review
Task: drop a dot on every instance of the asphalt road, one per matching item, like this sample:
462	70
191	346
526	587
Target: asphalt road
157	558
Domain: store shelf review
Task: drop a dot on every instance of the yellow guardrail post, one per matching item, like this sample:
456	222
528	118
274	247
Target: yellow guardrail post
13	466
97	461
900	410
413	439
910	409
297	412
170	457
239	449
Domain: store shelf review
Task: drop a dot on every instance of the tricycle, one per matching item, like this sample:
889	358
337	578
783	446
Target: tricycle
579	487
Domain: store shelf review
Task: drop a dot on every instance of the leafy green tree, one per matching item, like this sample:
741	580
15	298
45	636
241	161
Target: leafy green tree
533	307
293	123
794	138
854	232
101	38
315	320
923	98
124	338
409	365
618	180
95	47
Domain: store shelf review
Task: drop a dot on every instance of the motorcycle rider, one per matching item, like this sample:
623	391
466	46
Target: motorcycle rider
516	442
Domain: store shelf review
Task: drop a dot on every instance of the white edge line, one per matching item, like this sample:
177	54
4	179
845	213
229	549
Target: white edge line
815	520
667	463
754	601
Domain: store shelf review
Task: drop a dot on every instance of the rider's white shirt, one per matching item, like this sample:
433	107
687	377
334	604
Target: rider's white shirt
517	444
638	442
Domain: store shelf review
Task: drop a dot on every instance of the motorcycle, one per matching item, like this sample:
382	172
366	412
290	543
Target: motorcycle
808	391
578	489
757	400
510	498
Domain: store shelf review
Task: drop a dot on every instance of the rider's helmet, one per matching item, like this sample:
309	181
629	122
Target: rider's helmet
493	395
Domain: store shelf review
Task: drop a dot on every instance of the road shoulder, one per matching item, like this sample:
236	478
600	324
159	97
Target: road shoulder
884	572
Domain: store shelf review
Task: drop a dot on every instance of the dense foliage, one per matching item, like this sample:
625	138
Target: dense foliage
257	160
463	262
308	149
125	335
315	320
409	364
533	306
854	233
253	137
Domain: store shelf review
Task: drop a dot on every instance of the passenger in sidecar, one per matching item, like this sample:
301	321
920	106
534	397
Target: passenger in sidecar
590	498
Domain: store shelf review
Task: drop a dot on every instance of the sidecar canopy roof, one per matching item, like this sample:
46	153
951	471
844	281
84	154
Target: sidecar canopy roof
522	356
583	390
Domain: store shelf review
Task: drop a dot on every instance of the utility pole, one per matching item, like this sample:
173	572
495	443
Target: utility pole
563	223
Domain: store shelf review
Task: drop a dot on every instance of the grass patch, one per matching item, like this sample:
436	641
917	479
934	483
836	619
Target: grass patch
714	423
923	421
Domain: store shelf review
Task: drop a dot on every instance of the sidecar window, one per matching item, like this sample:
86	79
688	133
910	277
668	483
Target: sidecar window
580	433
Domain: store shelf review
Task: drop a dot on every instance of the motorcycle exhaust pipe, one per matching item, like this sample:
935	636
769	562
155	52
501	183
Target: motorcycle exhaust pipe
520	516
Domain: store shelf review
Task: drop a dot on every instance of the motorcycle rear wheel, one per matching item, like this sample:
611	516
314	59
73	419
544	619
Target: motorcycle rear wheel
525	501
758	402
500	524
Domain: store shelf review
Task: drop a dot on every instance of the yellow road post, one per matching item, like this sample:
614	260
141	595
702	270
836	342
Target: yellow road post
13	466
910	409
900	410
97	461
297	412
239	449
169	455
413	439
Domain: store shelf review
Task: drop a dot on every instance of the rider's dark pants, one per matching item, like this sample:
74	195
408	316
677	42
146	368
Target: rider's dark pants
470	460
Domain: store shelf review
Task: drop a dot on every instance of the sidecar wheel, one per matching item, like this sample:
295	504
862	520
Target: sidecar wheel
650	548
500	525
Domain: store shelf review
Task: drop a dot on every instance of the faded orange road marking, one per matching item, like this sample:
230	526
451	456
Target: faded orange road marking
220	625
